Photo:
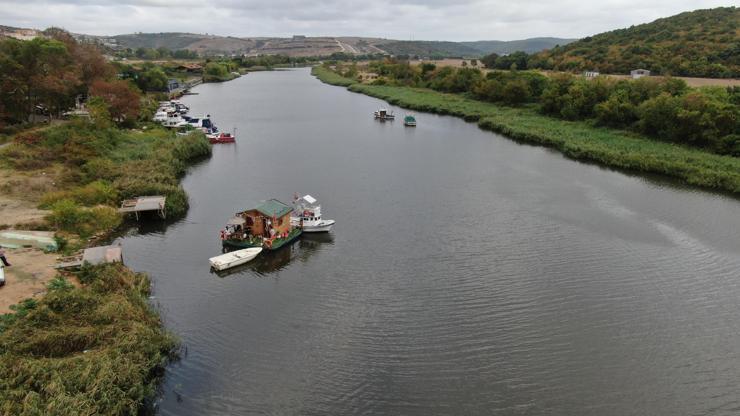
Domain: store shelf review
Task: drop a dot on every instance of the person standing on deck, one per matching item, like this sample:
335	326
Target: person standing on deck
2	257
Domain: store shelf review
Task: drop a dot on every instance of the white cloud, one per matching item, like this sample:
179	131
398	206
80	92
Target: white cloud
400	19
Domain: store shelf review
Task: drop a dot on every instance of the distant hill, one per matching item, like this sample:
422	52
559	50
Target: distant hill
532	45
427	48
702	43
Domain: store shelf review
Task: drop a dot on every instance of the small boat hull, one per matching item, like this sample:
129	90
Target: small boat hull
270	246
221	138
234	258
322	227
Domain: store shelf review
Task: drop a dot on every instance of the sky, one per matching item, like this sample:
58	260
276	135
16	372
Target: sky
394	19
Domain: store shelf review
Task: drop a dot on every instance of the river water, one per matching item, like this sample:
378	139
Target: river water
467	274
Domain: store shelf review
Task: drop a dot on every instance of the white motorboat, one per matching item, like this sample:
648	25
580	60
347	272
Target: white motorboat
202	123
160	116
234	258
309	216
384	115
174	121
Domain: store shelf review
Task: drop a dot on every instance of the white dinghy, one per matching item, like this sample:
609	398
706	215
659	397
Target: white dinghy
234	258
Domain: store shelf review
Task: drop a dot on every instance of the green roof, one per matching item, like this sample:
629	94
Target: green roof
273	208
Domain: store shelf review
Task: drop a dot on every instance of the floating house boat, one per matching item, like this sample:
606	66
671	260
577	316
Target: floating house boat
409	121
383	115
307	216
266	225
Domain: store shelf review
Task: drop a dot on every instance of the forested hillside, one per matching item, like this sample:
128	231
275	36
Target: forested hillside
702	43
532	45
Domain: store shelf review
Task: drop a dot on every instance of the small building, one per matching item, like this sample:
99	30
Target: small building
172	84
591	74
190	67
267	216
639	73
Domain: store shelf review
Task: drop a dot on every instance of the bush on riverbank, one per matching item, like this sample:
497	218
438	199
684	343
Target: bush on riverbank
577	139
95	349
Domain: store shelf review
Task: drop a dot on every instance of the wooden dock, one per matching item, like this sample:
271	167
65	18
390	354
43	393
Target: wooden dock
144	204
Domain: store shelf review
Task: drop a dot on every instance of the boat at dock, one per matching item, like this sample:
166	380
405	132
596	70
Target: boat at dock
266	225
307	216
215	137
409	121
234	258
383	115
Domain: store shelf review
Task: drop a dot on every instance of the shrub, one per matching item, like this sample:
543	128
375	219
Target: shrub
94	193
70	217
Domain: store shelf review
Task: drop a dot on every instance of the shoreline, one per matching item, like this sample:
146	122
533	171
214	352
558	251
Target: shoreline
103	323
574	139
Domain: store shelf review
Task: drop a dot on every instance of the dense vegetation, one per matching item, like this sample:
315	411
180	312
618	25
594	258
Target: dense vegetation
103	165
97	349
702	43
578	139
47	75
219	71
502	47
155	53
664	108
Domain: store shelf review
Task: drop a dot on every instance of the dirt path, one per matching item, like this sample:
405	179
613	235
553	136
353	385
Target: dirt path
30	271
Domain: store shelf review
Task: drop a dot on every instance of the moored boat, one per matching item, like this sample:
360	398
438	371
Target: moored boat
409	121
383	115
266	225
307	216
234	258
221	137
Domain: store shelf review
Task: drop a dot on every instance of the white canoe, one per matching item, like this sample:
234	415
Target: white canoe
234	258
2	275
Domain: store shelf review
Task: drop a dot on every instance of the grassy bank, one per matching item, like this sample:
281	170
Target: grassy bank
330	77
95	349
95	168
576	139
98	347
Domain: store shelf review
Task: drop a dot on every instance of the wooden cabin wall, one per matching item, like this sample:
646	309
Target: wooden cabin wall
282	225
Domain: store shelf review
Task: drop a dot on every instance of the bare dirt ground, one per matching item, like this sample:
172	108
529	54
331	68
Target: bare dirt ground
20	193
30	271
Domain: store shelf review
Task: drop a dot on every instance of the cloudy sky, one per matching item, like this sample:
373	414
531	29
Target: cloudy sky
397	19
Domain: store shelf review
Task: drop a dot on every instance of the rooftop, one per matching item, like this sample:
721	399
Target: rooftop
273	208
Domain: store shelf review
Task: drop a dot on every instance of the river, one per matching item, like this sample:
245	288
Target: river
467	273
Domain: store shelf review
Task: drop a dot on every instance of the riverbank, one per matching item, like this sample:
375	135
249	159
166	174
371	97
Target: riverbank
576	139
95	349
98	347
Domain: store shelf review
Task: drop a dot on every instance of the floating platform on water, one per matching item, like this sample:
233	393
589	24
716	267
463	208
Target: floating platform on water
143	204
94	256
